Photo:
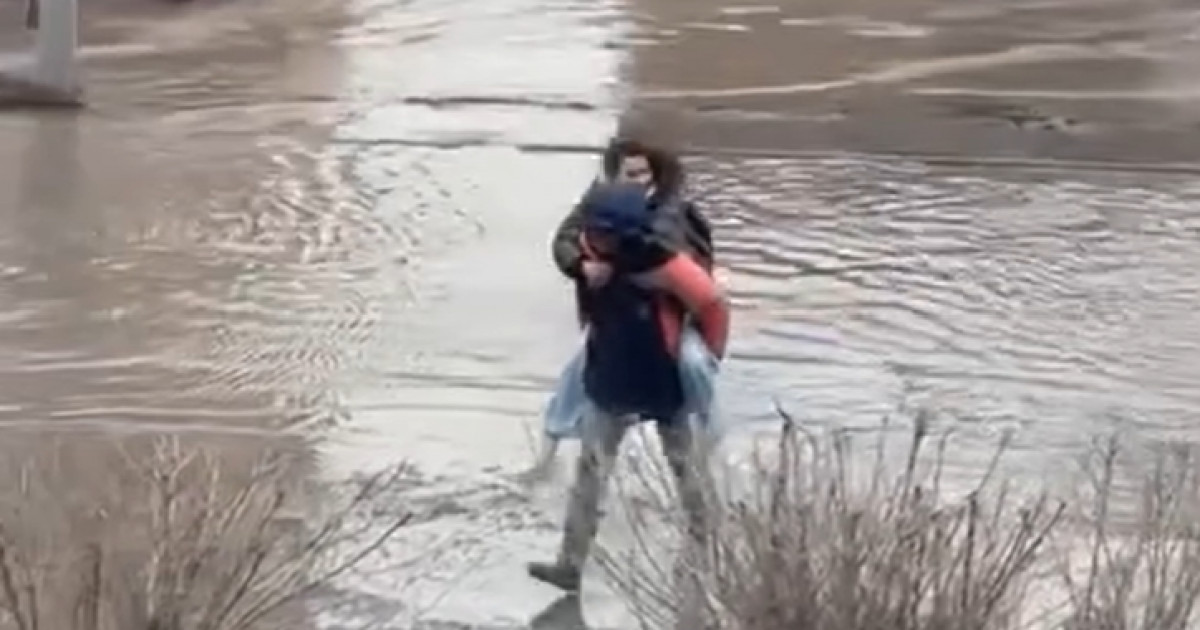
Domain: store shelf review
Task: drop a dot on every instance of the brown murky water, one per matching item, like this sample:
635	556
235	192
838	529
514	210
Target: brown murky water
338	223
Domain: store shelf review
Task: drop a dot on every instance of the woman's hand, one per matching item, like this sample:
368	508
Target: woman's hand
596	273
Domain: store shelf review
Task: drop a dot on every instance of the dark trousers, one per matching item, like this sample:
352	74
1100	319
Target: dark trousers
602	436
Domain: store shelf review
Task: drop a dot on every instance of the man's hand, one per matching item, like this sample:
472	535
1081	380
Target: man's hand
596	273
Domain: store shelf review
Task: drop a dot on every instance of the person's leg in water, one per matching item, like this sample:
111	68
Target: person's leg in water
543	468
561	419
543	464
687	458
602	435
602	440
684	447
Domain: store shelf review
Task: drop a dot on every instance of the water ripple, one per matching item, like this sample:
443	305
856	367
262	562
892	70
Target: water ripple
969	280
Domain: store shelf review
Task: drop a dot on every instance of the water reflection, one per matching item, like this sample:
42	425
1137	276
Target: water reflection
565	613
51	169
1078	79
1010	300
235	241
159	278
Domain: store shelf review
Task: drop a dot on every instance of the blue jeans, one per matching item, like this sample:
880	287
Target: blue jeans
697	368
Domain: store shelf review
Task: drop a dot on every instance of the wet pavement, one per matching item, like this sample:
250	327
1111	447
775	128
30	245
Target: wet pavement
336	224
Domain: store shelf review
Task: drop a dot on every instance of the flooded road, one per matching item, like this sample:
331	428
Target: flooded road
1026	80
337	225
1019	261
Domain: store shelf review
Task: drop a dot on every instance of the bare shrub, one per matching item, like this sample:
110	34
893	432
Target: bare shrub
817	544
1136	571
179	539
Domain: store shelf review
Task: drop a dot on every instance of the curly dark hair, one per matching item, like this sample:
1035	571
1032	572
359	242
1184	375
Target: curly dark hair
665	165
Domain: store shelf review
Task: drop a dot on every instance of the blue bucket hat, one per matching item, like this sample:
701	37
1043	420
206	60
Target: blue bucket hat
621	209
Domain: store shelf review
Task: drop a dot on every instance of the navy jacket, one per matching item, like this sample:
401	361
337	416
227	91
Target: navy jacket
629	368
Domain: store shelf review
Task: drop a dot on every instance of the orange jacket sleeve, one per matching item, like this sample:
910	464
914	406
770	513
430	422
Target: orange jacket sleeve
688	281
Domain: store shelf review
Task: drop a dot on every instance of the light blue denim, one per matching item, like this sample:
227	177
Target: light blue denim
698	370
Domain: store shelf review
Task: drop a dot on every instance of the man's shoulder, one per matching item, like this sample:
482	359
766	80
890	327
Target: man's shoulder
692	210
677	206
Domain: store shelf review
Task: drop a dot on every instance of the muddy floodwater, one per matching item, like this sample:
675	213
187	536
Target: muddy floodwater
334	224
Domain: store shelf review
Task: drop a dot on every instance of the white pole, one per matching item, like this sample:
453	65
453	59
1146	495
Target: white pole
55	63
